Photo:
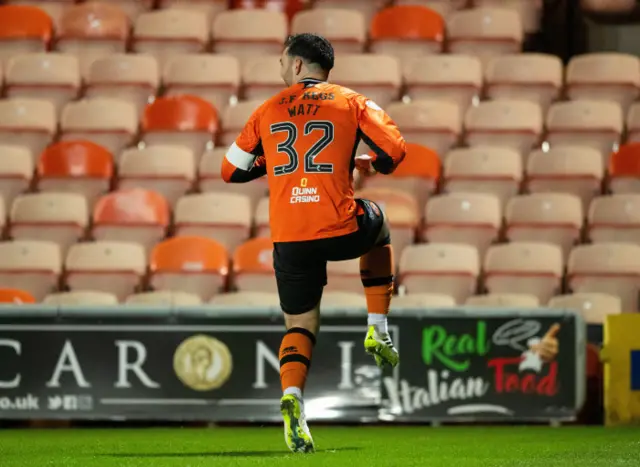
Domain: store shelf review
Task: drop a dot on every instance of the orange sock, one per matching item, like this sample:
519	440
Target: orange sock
376	271
295	359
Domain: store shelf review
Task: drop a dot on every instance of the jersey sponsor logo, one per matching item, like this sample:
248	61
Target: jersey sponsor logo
304	195
373	105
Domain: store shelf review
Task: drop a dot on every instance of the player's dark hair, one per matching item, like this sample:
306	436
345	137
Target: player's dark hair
312	48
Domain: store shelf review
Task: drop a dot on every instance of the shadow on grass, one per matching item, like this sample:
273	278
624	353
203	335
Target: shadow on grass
221	453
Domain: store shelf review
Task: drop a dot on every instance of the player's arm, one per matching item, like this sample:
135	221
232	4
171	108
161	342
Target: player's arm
381	134
245	159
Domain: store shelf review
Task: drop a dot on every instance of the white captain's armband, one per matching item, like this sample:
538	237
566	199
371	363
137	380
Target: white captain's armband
239	158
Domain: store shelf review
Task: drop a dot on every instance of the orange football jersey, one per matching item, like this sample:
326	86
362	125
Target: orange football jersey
307	136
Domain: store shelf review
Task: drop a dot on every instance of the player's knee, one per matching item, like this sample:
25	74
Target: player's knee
308	320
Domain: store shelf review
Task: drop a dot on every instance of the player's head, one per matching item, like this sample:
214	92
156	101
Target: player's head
306	56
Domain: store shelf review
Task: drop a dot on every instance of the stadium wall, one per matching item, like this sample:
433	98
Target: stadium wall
220	364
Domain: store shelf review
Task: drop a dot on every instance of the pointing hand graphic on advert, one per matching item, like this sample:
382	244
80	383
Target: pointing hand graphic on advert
541	350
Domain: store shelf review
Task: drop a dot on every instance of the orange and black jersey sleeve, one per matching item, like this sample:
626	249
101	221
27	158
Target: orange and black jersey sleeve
380	133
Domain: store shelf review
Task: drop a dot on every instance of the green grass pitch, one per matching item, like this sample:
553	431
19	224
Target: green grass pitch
351	447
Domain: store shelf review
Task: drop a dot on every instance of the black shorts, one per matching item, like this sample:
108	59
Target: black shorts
301	267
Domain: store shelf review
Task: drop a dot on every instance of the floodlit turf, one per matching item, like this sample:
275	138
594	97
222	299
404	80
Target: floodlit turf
351	447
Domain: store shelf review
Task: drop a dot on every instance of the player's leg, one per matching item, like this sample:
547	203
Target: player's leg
300	280
376	272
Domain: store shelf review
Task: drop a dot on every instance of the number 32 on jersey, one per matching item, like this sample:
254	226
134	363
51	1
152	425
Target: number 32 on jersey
325	131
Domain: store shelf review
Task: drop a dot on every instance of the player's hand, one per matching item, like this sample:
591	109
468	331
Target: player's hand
364	163
548	346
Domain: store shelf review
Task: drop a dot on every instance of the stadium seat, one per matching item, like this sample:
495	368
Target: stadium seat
32	266
80	297
53	8
615	219
530	77
407	32
253	266
195	265
485	32
261	77
169	33
530	12
209	8
261	218
61	218
514	124
443	7
594	307
422	300
210	179
347	300
554	218
610	268
164	297
23	29
596	124
566	169
624	169
524	268
402	211
448	77
75	167
135	215
469	218
367	7
111	123
418	174
134	8
234	119
346	29
483	169
30	123
130	77
225	217
214	78
633	123
180	120
344	276
45	76
247	299
91	31
15	296
168	170
504	300
247	33
604	76
16	169
446	268
434	124
376	76
105	266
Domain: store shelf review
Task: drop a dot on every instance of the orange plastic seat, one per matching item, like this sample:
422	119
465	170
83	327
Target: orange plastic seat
401	210
15	296
624	169
23	29
190	264
406	32
253	266
418	174
181	120
169	33
75	167
53	8
135	215
93	30
52	77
